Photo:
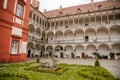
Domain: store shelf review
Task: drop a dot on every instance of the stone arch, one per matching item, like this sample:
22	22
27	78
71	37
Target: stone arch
37	50
115	32
30	49
49	50
59	35
104	49
115	48
102	34
79	49
38	32
68	35
30	45
79	34
38	46
68	49
90	32
59	51
50	35
31	28
90	49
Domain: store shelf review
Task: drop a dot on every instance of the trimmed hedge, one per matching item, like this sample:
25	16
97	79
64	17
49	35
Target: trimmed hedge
11	65
95	73
59	70
13	74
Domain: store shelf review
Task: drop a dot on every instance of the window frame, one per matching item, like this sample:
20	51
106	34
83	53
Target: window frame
17	52
19	3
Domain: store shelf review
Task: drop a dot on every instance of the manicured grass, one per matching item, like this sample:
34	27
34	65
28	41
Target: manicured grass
23	71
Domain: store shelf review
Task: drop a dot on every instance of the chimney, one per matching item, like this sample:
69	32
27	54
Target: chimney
60	8
92	2
37	4
33	2
45	11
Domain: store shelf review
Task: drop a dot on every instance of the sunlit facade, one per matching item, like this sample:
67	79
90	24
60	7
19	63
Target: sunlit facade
76	32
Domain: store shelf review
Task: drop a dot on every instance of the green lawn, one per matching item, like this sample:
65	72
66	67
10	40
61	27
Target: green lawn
17	71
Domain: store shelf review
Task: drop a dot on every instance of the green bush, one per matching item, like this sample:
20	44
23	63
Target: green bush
97	63
38	60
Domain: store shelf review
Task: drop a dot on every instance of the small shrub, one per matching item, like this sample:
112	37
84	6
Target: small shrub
97	63
38	60
117	78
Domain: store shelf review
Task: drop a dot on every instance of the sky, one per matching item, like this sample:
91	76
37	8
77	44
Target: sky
55	4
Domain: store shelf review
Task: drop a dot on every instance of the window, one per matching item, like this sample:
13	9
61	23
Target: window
86	38
78	10
19	10
60	13
99	7
14	47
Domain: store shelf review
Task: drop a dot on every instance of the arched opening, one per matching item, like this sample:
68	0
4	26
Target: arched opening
116	50
69	51
38	32
90	50
31	29
59	51
90	33
30	49
115	33
37	51
50	35
102	34
79	50
79	35
68	35
104	51
59	35
49	51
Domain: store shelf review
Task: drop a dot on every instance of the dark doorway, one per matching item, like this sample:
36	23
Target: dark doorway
29	52
86	38
61	55
83	55
50	53
41	55
72	55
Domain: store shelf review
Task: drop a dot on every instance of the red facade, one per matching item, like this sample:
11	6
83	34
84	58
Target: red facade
14	16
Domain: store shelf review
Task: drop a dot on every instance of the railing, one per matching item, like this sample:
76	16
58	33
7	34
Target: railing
84	41
34	39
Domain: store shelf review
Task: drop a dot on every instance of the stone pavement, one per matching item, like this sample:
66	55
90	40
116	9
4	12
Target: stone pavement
111	65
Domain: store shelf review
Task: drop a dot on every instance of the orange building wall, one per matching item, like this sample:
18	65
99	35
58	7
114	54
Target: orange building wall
7	17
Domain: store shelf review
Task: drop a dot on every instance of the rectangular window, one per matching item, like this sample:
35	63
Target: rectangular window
86	38
19	10
14	47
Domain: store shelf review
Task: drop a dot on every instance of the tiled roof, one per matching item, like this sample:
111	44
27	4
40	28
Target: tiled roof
83	8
